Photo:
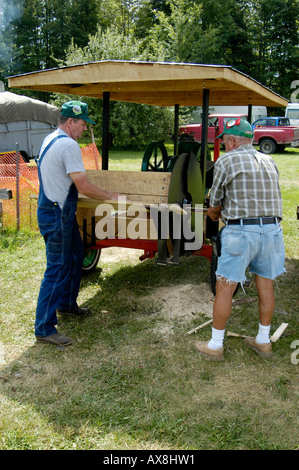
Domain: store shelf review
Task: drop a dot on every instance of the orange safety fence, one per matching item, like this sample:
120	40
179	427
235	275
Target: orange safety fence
22	179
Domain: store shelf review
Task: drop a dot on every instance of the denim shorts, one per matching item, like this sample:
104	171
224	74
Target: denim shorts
258	247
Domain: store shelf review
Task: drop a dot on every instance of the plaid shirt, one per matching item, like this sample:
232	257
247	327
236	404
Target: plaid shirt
246	184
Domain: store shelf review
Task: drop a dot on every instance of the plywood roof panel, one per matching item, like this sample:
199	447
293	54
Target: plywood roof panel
156	83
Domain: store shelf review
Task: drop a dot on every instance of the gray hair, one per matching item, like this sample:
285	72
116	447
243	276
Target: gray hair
241	140
62	119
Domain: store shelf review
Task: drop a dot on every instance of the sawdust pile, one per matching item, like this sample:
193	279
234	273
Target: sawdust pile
180	301
116	255
184	301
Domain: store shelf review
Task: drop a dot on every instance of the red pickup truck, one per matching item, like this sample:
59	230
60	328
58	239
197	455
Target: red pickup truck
269	138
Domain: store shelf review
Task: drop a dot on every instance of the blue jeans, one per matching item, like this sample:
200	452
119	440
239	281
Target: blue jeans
258	247
65	254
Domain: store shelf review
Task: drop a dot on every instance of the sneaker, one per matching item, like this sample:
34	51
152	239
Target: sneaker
208	353
74	312
264	350
57	338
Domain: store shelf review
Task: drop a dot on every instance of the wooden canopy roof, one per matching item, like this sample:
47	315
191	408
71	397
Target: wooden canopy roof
154	83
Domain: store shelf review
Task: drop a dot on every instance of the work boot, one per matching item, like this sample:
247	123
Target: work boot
264	350
74	312
208	353
57	339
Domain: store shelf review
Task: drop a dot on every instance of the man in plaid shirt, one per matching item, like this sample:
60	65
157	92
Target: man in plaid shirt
246	195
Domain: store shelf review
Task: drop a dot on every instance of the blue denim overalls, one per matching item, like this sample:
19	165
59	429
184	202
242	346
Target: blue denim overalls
65	254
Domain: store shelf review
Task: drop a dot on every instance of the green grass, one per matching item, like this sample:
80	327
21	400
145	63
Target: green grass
289	177
128	160
132	379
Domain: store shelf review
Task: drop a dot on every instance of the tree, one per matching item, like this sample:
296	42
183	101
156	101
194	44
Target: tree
42	30
276	43
258	37
146	16
9	11
180	36
82	21
29	40
119	15
132	125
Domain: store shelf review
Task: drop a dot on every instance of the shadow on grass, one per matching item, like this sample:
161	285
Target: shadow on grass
122	385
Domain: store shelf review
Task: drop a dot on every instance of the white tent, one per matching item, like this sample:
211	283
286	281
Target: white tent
14	108
25	121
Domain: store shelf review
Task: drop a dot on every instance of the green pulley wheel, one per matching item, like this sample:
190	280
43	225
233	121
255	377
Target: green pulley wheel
155	157
90	261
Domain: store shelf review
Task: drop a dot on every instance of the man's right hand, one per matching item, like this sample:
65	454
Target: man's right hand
214	213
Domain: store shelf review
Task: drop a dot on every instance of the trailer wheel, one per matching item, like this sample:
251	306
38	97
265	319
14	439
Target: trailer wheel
268	146
90	261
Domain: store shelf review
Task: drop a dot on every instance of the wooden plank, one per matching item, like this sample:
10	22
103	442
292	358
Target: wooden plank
277	334
144	204
158	83
132	183
122	221
130	217
118	225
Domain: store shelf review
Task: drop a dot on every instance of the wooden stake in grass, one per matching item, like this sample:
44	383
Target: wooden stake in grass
230	333
199	327
277	334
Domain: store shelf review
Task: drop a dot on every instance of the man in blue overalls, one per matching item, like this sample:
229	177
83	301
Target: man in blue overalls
62	176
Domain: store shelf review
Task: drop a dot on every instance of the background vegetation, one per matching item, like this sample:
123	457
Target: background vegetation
258	37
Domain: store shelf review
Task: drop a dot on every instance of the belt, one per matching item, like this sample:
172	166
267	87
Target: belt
254	221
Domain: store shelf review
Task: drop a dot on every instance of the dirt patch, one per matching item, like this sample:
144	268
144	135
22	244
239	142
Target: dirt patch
179	301
184	301
117	255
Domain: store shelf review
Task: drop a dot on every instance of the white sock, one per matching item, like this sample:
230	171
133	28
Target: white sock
216	341
263	335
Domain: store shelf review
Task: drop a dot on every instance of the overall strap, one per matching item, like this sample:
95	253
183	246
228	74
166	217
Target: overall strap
38	158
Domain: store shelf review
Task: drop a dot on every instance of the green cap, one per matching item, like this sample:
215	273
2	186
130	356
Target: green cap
76	109
237	126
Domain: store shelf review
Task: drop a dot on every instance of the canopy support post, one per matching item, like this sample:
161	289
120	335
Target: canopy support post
249	113
105	137
204	135
176	129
